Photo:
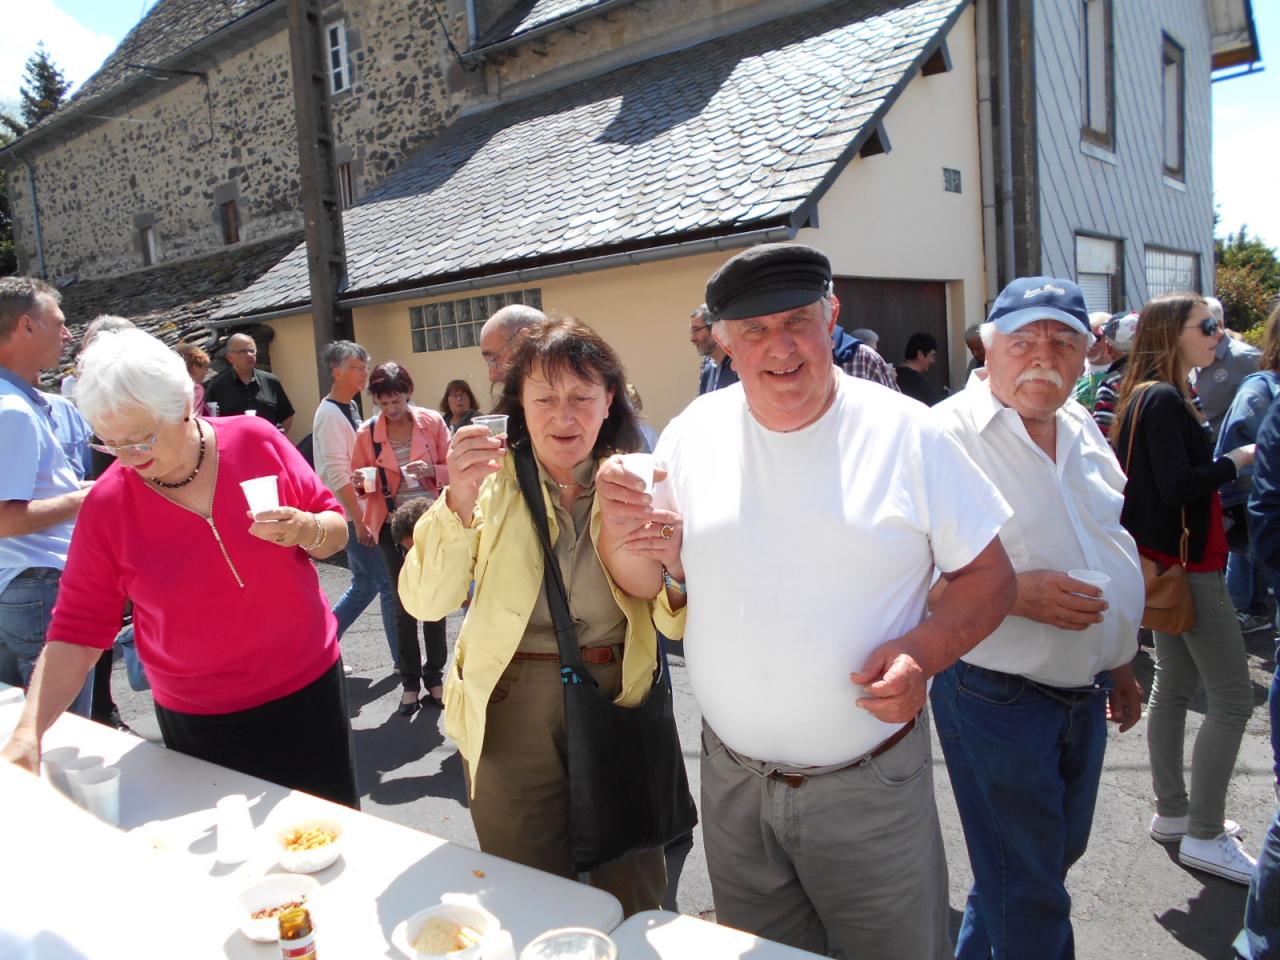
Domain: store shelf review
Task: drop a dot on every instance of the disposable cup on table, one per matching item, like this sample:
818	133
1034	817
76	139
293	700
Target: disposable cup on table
571	943
495	423
251	413
262	494
642	465
369	478
213	408
74	769
234	829
52	763
100	788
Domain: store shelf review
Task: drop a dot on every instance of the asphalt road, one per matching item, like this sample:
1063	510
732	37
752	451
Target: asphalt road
1131	898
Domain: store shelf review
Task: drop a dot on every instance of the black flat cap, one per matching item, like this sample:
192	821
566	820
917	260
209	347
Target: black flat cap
770	278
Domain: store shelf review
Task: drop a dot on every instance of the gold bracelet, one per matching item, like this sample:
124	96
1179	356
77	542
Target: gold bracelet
322	534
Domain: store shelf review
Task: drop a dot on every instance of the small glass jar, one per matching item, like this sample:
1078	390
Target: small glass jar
571	943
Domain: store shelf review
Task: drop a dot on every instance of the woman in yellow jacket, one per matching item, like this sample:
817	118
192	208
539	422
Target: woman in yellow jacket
504	700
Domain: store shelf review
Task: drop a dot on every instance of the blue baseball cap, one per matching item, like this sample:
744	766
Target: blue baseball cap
1029	299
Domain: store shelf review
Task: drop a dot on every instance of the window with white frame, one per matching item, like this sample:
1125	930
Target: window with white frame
1170	271
456	324
1098	272
1174	101
1098	73
339	62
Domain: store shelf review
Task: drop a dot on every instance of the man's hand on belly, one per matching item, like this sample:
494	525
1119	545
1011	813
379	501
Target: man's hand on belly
893	682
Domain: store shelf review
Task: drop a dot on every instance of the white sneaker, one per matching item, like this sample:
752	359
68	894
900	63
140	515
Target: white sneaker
1222	856
347	671
1173	829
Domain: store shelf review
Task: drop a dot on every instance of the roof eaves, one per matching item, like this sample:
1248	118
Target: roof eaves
75	111
484	51
873	124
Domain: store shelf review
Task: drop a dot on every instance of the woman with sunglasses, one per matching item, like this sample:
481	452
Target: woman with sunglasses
1162	440
249	678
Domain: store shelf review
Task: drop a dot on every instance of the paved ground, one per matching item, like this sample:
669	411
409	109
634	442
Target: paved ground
1131	898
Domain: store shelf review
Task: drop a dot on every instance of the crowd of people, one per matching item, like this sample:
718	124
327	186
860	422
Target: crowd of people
981	563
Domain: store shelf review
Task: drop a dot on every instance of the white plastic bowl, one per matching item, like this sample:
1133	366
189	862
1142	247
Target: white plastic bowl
480	920
271	892
309	861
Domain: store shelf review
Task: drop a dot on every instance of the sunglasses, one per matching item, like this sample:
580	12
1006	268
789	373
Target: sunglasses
139	449
1209	326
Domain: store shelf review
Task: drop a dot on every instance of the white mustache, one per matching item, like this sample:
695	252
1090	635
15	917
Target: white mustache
1041	375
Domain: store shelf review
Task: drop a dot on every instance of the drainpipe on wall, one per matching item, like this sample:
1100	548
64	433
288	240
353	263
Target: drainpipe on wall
35	218
986	152
473	28
1008	267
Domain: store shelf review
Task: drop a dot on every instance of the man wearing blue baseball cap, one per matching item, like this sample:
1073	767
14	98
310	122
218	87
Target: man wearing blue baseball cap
1022	717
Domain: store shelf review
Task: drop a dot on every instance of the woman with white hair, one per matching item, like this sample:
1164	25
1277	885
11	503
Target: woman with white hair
230	620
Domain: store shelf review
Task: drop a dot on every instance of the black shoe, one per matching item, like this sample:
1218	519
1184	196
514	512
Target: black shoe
431	698
409	709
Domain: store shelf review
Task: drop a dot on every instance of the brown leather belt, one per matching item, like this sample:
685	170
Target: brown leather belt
595	655
798	779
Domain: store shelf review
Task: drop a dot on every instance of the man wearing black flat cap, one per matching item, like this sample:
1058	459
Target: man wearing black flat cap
803	514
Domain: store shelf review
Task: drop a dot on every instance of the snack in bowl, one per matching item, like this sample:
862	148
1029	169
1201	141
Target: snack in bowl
263	900
447	931
309	845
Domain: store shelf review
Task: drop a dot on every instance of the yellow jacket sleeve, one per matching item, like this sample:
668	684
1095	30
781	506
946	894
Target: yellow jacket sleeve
437	572
670	623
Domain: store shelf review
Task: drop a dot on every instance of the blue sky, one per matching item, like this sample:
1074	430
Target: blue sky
1246	119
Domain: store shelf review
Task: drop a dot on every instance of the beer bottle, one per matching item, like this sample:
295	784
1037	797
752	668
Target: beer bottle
297	938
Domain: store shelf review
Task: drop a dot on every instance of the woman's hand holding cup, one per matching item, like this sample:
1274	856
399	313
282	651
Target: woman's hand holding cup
284	526
473	455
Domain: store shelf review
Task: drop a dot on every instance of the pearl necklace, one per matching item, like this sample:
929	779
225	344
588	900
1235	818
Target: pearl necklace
192	475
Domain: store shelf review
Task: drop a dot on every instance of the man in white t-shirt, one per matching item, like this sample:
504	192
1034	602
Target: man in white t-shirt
1022	717
804	513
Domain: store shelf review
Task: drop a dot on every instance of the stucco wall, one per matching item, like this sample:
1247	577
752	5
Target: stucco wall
888	217
1126	197
293	360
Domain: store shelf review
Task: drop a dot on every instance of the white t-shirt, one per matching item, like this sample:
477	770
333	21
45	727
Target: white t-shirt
333	442
805	551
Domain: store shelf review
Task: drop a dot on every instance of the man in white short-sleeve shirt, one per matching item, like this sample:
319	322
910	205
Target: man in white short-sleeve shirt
1026	799
804	513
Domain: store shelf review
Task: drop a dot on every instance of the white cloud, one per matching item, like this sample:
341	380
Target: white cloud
74	48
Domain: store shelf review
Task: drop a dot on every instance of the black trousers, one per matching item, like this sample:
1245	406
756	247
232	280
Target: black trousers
301	741
413	675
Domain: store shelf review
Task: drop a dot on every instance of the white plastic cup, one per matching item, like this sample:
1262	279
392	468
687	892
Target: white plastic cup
262	494
1091	577
74	770
251	413
52	763
213	407
100	788
369	479
495	423
642	465
235	829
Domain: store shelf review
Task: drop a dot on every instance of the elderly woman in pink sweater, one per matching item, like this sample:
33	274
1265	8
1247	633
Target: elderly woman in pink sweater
230	620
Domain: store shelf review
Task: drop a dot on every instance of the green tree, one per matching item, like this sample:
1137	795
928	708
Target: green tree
1245	298
1241	251
8	256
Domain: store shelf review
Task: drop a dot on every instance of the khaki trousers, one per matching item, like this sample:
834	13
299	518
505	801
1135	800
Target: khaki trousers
521	804
851	859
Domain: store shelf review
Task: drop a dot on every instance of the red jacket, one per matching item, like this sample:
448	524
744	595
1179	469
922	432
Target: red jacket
429	443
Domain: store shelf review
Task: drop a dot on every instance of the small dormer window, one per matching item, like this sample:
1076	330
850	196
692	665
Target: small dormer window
339	61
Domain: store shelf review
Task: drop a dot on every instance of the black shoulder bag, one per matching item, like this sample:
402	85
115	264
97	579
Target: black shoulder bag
628	790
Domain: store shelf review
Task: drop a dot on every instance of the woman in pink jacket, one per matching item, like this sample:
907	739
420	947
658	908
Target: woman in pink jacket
408	446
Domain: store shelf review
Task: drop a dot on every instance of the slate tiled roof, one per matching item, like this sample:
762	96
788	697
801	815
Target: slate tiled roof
168	28
720	138
170	301
529	15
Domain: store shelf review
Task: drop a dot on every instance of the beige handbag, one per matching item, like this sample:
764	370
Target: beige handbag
1170	607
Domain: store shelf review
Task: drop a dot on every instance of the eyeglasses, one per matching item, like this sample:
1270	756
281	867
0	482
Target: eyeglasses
245	350
1209	326
145	447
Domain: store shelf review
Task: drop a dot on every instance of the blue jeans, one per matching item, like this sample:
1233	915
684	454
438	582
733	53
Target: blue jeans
1024	762
368	577
1260	937
26	607
1246	582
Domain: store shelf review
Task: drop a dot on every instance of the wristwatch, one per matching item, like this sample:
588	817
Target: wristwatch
676	585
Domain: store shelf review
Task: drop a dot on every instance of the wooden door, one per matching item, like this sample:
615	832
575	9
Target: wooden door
895	309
